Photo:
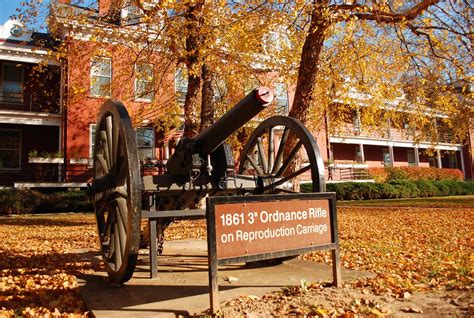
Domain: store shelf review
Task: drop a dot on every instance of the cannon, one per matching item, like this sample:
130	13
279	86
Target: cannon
277	154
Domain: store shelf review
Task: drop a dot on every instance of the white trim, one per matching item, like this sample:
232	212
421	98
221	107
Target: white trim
387	143
45	160
350	180
30	118
91	140
349	165
26	185
80	161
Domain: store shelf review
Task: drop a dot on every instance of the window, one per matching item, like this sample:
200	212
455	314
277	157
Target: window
181	85
10	149
101	77
12	84
92	130
281	99
144	81
146	143
453	160
411	157
387	162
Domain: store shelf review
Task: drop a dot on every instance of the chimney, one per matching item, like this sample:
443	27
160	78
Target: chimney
109	7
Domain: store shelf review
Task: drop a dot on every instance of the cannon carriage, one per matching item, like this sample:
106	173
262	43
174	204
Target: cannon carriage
201	166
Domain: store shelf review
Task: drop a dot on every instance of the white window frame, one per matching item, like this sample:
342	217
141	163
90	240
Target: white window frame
92	76
6	99
92	133
142	96
19	150
141	146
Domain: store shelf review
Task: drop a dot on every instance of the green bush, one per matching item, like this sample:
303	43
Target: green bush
14	201
400	189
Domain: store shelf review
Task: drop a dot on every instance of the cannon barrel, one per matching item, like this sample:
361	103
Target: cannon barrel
213	136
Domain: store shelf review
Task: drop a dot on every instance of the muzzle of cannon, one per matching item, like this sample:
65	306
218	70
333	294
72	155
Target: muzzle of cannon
278	155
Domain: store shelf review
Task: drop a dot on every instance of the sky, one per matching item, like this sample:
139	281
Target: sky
8	8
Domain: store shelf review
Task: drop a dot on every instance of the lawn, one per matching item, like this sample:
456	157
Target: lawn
409	249
466	201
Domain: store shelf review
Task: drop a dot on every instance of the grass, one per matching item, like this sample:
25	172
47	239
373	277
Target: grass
465	201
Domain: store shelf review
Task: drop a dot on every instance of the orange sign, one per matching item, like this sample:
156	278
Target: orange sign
251	228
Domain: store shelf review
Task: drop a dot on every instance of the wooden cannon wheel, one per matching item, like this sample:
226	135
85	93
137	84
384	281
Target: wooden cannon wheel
272	165
117	191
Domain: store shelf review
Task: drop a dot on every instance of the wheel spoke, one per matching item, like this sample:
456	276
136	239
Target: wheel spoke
109	127
122	191
285	179
102	163
122	205
255	165
122	234
118	252
105	147
262	155
271	150
281	148
289	160
109	235
115	142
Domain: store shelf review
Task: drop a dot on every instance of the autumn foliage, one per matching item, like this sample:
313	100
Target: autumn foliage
414	173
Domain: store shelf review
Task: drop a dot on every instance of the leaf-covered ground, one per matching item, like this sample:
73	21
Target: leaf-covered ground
411	250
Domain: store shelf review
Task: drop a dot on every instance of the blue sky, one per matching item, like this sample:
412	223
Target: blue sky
8	8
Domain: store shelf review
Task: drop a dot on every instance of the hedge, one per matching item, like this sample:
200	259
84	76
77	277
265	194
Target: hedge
398	189
414	174
14	201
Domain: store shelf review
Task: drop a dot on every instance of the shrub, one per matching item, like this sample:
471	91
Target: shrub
400	189
16	201
414	173
380	175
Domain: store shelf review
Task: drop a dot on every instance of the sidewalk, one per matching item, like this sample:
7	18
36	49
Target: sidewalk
182	284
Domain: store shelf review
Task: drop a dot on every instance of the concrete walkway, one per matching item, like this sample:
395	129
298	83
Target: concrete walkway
182	284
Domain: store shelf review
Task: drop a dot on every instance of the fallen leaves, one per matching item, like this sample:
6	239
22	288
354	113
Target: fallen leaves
412	249
39	265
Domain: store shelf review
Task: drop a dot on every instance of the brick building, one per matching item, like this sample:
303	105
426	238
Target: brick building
31	115
98	69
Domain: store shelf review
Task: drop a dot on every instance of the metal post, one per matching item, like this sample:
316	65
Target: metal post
153	248
212	259
336	268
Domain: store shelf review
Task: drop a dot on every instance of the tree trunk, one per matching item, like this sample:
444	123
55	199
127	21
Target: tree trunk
307	74
207	103
193	42
309	66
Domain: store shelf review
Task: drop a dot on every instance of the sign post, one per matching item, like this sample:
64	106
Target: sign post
260	227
